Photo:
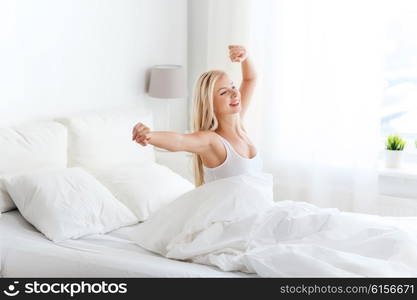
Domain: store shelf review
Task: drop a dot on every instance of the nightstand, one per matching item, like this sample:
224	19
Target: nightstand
179	162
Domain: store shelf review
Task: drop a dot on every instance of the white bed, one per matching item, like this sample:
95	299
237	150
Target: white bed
89	140
100	144
25	252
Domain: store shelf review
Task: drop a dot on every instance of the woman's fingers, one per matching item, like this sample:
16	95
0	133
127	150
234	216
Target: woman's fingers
237	49
236	59
136	130
142	136
234	56
141	141
134	135
136	127
237	53
133	132
144	142
234	52
139	130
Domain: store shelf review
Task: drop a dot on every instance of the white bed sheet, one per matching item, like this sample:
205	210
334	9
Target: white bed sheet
25	252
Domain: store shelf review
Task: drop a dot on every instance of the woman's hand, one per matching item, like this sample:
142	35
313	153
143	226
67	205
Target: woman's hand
141	134
237	53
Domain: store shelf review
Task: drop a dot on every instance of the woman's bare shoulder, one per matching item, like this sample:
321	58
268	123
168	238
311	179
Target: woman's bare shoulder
207	134
211	139
216	153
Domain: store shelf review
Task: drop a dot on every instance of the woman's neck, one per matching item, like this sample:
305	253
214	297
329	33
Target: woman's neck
229	125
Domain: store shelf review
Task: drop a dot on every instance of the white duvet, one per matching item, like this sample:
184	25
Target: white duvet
234	224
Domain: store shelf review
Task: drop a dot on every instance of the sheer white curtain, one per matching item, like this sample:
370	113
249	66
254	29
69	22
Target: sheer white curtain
222	23
315	113
318	102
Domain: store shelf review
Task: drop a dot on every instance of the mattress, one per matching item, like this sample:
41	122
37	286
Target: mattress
25	252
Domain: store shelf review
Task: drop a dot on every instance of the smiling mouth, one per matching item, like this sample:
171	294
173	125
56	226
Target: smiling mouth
235	104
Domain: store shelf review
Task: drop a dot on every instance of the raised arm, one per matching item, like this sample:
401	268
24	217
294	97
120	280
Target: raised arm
198	142
239	54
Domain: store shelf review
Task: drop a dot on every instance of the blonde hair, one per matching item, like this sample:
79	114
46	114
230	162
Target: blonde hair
203	117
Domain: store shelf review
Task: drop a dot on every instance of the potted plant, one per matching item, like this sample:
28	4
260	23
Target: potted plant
393	152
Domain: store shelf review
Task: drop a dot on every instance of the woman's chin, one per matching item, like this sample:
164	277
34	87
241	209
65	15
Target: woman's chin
232	111
235	109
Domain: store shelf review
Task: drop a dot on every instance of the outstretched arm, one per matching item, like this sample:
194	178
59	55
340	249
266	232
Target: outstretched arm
239	54
198	142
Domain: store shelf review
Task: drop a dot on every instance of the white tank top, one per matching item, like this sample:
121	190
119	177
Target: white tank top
233	165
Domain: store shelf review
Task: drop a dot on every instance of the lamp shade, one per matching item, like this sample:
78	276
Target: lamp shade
167	81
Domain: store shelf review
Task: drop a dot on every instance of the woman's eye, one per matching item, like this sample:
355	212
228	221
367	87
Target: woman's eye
222	93
233	87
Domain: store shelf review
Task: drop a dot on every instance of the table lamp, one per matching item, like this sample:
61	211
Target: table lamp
167	82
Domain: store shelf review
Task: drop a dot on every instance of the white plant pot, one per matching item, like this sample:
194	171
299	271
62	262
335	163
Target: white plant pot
393	158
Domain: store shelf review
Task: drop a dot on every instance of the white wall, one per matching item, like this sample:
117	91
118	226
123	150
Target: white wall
62	56
197	40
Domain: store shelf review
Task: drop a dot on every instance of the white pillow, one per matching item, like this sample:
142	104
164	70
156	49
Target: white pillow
104	139
28	147
230	199
144	188
67	203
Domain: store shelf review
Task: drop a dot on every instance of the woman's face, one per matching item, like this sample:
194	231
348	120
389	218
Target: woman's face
226	98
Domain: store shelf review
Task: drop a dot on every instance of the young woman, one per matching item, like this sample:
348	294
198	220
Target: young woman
219	141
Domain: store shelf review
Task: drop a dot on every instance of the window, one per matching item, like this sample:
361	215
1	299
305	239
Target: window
399	110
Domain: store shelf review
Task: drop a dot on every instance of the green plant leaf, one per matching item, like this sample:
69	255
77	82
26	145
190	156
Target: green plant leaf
396	143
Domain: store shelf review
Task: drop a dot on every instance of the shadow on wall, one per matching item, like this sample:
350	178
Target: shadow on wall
147	80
